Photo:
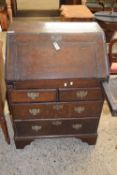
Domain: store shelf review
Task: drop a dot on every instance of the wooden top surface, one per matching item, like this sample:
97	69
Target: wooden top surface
57	52
76	11
53	27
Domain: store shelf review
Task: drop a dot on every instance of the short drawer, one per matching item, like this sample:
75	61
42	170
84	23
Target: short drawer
57	110
80	94
56	127
32	95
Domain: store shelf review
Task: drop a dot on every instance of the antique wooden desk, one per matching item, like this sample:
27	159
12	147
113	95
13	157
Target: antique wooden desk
5	14
76	13
108	22
54	76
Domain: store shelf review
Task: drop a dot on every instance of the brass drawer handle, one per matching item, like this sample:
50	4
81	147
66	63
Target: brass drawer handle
36	128
81	94
58	107
57	123
34	111
33	95
79	110
77	126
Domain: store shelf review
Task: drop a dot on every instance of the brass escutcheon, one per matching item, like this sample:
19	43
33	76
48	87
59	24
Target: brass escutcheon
36	128
77	126
57	123
33	95
79	109
81	94
34	111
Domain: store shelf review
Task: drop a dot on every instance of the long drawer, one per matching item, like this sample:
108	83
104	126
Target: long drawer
33	95
71	94
57	83
56	110
56	127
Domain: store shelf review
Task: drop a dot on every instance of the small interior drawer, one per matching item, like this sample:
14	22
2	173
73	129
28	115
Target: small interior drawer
33	95
80	94
56	127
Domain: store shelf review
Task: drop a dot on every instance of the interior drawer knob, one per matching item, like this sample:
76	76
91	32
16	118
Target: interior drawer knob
80	109
71	83
57	123
34	111
77	126
58	107
33	95
36	128
81	94
65	84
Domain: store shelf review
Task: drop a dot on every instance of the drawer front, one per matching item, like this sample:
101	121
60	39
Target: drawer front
56	127
80	94
32	95
57	83
57	110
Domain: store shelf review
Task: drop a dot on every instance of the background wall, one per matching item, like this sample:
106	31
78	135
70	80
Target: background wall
38	4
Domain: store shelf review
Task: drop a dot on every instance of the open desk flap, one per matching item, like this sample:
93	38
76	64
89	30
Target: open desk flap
110	89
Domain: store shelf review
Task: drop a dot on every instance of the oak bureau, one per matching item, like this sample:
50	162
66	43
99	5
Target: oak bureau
54	75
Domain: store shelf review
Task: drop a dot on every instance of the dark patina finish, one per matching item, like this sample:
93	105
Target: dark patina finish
54	75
